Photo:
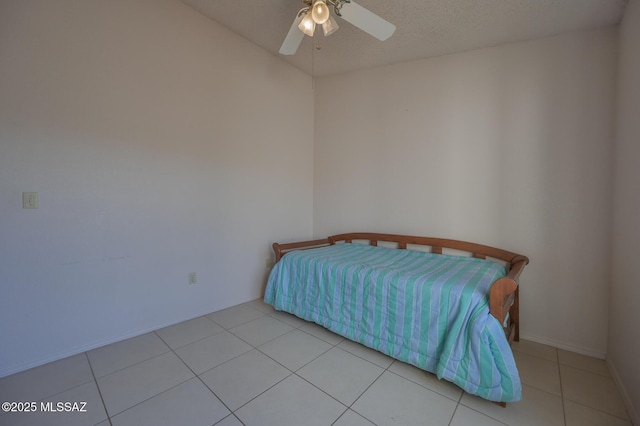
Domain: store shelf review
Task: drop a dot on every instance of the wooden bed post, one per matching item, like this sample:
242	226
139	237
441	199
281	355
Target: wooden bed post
501	292
515	315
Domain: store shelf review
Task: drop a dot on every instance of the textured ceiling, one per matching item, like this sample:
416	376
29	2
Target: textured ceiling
424	27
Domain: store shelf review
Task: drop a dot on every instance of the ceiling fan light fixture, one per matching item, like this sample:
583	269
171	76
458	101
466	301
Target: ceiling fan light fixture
320	12
316	12
330	27
307	25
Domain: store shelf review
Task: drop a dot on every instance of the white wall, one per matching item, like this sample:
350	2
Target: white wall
160	144
624	314
509	146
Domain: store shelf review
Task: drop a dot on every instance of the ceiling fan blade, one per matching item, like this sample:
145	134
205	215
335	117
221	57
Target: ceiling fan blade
367	21
293	39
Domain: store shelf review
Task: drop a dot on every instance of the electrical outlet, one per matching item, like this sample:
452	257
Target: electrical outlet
29	200
193	278
268	264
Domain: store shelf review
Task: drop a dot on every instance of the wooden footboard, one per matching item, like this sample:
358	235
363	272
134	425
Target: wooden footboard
503	297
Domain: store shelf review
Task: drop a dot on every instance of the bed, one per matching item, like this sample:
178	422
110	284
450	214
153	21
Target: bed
446	306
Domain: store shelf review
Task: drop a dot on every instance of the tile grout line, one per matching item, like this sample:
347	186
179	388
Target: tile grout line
260	394
564	409
232	412
239	355
131	365
340	416
484	414
368	387
585	371
199	378
235	325
264	343
385	369
628	420
453	414
229	360
302	366
51	396
192	342
292	373
95	380
43	398
151	397
562	396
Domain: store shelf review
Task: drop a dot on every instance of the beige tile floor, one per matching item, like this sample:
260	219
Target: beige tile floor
252	365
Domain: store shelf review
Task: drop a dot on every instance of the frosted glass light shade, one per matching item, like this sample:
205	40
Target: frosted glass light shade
307	25
330	27
320	12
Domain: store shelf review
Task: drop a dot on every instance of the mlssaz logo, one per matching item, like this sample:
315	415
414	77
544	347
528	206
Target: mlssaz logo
50	407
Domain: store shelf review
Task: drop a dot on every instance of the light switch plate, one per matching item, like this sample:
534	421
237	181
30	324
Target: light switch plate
193	278
29	200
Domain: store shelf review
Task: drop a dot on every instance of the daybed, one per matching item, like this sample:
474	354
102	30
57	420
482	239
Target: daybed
449	307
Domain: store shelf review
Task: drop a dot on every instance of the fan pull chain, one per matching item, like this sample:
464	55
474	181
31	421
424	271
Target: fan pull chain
313	78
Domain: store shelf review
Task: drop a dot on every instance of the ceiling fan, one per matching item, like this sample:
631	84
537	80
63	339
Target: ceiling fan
316	12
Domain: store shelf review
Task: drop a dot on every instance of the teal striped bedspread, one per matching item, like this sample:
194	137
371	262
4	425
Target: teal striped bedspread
428	310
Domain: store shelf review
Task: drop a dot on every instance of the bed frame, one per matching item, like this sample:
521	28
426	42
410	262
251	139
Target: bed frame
503	297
